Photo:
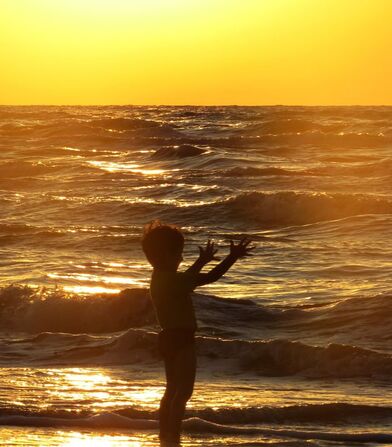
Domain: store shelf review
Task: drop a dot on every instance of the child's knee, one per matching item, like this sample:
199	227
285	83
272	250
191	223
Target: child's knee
169	393
184	393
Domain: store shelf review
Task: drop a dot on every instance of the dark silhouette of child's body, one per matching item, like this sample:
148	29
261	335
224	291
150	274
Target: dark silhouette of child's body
170	292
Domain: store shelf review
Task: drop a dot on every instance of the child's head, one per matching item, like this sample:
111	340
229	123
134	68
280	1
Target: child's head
163	245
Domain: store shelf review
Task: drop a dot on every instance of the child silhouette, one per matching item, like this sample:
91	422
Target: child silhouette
171	296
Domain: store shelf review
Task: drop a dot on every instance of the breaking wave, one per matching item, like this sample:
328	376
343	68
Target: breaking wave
29	310
273	358
262	209
330	413
193	425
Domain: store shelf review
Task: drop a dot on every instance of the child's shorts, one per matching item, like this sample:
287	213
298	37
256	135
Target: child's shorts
171	341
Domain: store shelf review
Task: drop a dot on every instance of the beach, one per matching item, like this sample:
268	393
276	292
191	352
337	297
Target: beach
294	344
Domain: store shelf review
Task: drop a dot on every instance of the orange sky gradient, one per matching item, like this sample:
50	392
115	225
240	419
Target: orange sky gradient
250	52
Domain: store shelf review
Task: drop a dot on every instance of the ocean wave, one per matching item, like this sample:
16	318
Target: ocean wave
365	321
292	208
75	129
164	131
117	239
46	310
21	168
61	338
358	319
348	158
182	151
293	125
33	113
286	358
362	319
380	168
328	413
375	169
124	123
29	310
262	209
315	139
273	358
52	129
194	425
15	228
261	172
330	112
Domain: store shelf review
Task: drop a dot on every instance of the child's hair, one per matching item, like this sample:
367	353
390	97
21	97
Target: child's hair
159	239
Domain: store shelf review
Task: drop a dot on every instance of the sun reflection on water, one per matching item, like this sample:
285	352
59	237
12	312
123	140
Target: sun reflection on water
79	385
79	378
126	167
100	280
96	278
90	290
47	437
87	440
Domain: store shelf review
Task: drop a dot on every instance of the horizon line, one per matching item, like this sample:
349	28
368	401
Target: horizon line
195	105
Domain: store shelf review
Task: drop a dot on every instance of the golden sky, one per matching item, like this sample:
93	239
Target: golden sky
196	52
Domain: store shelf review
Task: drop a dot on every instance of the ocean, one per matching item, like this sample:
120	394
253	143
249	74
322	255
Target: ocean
294	343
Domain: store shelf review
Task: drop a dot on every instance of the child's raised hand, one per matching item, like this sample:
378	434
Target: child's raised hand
207	254
242	249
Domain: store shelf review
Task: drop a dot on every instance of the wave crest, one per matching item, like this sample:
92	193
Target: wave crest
329	413
27	310
292	208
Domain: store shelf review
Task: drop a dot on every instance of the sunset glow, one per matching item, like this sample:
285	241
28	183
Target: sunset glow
196	214
195	52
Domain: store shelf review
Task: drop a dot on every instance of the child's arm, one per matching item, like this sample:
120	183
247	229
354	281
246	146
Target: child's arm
238	251
206	255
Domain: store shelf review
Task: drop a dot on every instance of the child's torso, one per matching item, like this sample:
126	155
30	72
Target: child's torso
171	297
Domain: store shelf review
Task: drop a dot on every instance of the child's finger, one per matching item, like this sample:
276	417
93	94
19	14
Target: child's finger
245	241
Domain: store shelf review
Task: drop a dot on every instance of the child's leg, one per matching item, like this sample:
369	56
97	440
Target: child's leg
185	371
165	406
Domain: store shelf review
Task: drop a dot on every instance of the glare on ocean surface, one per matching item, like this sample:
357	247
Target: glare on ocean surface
105	279
77	439
90	289
107	391
126	167
86	278
73	438
79	378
